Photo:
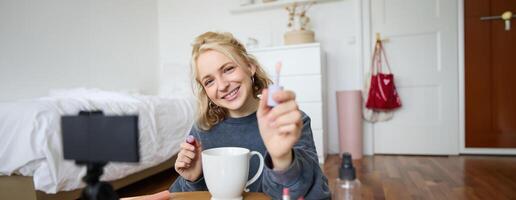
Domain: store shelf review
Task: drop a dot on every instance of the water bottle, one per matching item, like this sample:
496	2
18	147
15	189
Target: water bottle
347	186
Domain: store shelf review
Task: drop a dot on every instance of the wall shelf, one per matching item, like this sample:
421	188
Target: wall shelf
272	5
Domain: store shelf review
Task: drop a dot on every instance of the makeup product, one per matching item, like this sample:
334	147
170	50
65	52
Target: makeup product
191	140
286	195
275	87
347	185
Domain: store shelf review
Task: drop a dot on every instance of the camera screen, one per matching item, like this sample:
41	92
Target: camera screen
100	138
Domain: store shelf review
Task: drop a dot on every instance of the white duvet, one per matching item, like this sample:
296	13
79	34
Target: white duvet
30	137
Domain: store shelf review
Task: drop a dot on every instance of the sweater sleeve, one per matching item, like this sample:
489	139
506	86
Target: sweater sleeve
303	177
183	185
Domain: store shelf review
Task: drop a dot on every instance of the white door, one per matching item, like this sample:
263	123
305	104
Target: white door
422	50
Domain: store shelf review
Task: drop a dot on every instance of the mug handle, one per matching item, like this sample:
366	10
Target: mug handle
258	173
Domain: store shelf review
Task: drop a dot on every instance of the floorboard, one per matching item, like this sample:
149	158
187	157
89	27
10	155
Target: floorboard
403	177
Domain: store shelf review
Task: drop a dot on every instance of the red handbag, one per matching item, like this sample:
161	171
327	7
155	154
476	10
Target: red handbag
382	92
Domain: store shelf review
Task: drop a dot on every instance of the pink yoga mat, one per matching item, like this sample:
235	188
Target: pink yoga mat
349	108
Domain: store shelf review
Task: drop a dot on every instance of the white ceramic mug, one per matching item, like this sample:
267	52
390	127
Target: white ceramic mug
226	171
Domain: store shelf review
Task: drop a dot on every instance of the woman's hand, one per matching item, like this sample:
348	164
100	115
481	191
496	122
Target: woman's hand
188	162
280	127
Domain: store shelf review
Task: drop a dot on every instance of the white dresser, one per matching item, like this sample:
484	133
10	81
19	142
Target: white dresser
302	72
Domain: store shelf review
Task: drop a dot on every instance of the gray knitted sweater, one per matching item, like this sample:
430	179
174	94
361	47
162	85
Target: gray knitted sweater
304	177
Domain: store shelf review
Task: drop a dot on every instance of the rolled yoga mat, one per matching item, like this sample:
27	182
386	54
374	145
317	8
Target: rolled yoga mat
349	108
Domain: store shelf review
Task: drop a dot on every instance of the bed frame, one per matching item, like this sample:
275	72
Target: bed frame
22	187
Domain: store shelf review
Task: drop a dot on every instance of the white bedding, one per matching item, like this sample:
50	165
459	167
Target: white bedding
30	138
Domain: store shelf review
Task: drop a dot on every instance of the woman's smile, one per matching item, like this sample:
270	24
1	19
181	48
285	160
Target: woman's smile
232	95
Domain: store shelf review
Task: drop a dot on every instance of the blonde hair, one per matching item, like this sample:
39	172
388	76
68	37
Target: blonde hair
208	114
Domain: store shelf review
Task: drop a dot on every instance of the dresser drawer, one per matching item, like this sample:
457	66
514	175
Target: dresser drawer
296	61
307	88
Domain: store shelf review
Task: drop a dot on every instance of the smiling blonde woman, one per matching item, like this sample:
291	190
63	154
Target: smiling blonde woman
230	113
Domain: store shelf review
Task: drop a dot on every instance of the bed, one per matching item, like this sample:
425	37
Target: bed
31	157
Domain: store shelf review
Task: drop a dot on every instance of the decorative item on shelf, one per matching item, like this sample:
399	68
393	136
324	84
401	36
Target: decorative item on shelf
246	2
251	43
298	34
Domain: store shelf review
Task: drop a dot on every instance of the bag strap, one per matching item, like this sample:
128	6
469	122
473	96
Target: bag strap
376	64
382	52
373	60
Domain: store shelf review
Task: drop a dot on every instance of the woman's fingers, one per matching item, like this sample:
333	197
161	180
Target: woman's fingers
285	98
292	117
180	164
187	150
284	95
185	159
263	107
187	146
189	154
282	109
187	164
290	128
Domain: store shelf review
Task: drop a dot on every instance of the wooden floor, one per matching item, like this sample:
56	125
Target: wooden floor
404	177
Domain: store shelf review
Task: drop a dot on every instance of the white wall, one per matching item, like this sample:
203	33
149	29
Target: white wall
74	43
334	24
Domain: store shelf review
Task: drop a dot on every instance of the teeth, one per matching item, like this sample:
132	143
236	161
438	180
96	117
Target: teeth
231	93
234	91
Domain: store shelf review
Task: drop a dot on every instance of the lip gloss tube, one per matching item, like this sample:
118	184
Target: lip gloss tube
286	195
275	87
191	140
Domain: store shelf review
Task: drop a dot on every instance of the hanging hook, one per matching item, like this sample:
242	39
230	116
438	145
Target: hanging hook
379	39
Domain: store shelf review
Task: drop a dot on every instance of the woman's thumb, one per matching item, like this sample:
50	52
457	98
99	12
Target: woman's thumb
263	107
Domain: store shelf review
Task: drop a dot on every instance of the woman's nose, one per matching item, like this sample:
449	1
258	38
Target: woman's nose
222	84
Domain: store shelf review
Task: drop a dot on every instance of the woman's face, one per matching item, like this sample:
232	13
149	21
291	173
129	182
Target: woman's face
226	83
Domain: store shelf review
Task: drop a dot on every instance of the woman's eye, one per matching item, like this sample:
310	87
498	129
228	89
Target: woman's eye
229	69
208	82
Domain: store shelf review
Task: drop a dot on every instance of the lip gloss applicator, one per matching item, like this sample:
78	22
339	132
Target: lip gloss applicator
275	87
191	140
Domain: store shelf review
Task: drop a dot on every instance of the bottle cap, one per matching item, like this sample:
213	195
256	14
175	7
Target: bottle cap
285	192
347	171
190	139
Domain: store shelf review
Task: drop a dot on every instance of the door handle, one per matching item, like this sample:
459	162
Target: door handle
506	16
